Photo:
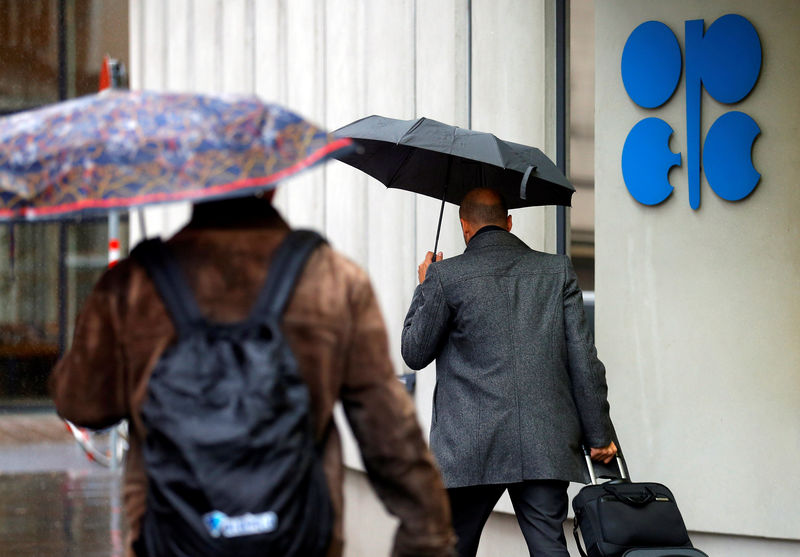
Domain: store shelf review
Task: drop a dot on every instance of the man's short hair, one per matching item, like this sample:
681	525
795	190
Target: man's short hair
484	206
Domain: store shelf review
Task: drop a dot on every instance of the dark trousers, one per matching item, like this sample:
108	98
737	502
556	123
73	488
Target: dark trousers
540	506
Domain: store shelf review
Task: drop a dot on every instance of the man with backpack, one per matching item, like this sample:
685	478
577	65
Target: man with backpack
229	374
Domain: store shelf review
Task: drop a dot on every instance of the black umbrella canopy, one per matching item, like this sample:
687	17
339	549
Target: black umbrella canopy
442	161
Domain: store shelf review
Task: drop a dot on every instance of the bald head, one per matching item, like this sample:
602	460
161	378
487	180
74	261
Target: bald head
482	207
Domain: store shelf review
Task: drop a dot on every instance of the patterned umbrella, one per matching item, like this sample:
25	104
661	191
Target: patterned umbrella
121	149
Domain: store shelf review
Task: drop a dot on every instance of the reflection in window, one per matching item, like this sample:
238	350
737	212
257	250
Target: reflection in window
48	271
29	329
581	135
29	47
50	50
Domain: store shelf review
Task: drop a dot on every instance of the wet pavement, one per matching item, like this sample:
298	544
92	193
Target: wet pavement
53	501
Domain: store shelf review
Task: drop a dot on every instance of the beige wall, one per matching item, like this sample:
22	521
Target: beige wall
502	538
698	312
338	60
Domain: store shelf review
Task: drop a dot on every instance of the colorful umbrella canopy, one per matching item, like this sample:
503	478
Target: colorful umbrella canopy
121	149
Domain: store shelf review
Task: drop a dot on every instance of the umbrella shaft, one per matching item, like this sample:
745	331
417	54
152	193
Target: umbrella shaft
438	228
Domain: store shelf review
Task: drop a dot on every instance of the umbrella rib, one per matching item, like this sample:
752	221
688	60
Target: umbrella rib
417	124
398	167
496	143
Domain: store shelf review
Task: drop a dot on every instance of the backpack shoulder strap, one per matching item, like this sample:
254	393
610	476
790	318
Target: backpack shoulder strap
286	266
170	283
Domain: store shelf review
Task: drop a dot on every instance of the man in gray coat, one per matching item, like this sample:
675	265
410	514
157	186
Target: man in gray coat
519	387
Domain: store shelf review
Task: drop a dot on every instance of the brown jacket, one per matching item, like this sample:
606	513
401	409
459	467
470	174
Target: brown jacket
334	326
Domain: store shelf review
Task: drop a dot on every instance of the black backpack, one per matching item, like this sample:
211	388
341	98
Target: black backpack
232	466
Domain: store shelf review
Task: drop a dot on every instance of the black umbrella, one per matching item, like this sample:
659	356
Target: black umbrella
445	162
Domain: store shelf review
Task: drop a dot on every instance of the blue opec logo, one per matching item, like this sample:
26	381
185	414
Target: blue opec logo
726	61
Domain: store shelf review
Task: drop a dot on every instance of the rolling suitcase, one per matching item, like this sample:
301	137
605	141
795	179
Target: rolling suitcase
632	519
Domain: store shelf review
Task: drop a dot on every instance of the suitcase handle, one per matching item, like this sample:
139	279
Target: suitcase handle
623	468
648	497
623	474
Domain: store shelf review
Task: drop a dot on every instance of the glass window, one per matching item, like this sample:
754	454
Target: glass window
48	269
29	47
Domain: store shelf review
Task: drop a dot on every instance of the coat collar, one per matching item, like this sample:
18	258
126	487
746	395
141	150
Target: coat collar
236	213
493	238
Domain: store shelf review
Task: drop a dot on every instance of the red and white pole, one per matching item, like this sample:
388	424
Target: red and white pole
113	239
107	82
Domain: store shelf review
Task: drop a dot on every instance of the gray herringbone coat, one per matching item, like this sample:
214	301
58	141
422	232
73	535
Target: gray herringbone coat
519	386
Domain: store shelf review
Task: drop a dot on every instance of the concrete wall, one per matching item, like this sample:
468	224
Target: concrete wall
698	312
502	537
338	60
